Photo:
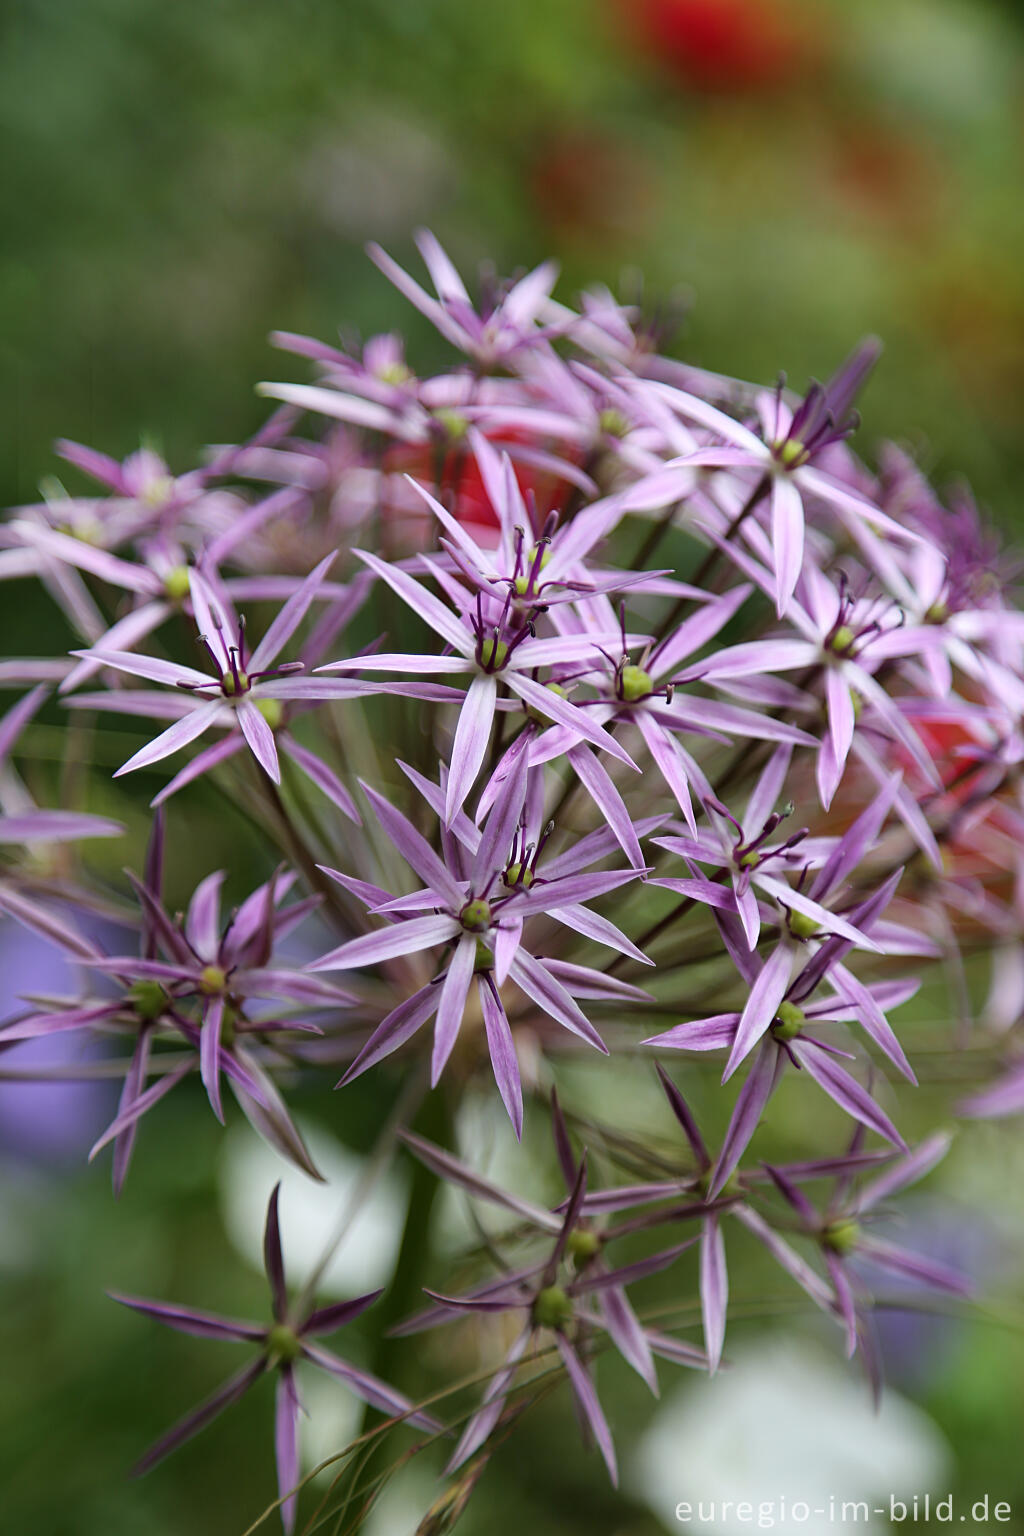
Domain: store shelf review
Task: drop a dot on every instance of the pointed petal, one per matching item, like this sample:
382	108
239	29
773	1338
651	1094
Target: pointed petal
531	977
753	1096
406	938
472	737
502	1052
787	538
762	1005
714	1290
209	757
203	1325
149	667
553	707
598	783
370	1388
287	621
273	1259
430	609
499	829
235	1387
286	1445
454	991
455	1172
415	849
393	1031
325	779
627	1335
590	1407
681	1110
908	1170
260	738
487	1415
134	1083
174	738
209	1053
844	1090
202	922
338	1314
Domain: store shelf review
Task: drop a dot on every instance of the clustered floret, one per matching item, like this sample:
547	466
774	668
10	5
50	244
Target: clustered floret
804	725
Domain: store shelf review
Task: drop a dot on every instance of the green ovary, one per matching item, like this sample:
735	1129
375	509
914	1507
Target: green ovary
842	641
519	874
552	1308
148	999
212	979
282	1344
493	655
788	1021
635	683
176	583
841	1236
475	916
802	926
583	1244
790	452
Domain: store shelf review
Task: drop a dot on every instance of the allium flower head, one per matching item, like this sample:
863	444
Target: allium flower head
645	676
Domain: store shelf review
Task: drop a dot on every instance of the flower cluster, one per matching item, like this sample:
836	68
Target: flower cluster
585	693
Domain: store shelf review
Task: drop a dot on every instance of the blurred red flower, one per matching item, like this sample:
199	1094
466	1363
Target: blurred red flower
722	45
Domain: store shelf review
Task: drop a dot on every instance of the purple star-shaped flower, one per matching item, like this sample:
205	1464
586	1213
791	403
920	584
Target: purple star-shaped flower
475	903
289	1338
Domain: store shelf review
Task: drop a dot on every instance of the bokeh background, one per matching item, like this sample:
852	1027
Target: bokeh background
178	180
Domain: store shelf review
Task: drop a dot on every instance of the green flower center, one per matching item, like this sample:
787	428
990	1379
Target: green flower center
86	530
730	1190
232	687
282	1344
841	1236
159	490
552	1308
789	452
635	683
583	1244
176	583
454	423
212	979
394	373
802	926
524	584
148	999
475	916
842	641
788	1021
519	874
493	654
613	423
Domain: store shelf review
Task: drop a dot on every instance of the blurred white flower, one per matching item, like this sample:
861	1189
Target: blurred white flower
334	1419
788	1421
311	1213
378	175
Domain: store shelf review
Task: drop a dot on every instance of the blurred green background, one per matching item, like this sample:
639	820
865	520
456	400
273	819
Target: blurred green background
180	179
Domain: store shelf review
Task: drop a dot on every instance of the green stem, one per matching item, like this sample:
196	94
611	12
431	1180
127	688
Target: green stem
404	1294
